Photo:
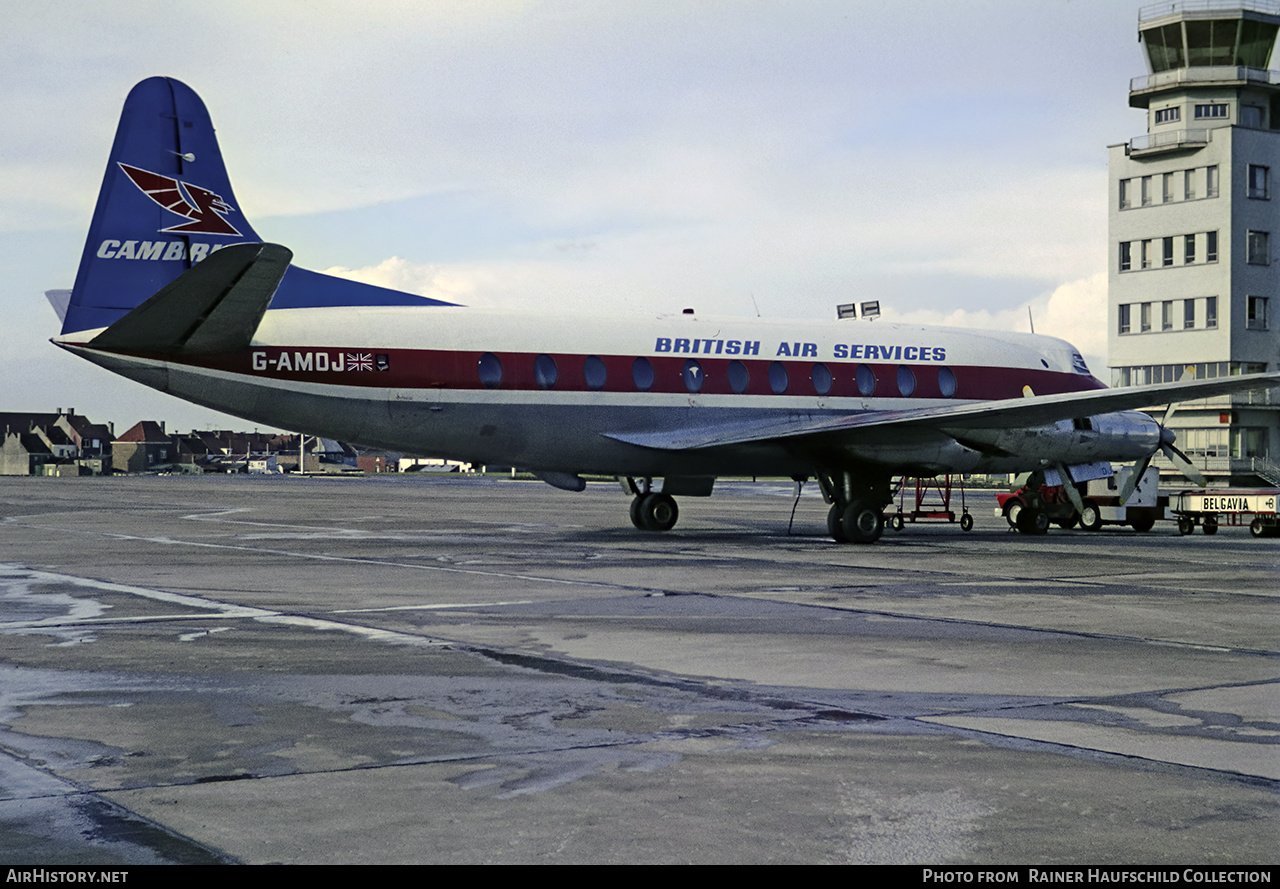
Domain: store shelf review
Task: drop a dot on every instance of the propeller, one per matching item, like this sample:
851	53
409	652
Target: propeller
1175	456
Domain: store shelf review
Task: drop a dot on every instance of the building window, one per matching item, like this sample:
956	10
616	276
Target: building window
1146	191
1166	315
1167	251
1188	314
1189	249
1256	312
1167	187
1126	258
1125	321
1259	248
1204	112
1125	194
1259	187
1211	247
1211	312
1211	182
1251	116
1146	254
1144	314
1189	185
1168	115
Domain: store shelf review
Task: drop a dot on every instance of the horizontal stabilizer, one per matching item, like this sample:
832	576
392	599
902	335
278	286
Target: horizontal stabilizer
212	308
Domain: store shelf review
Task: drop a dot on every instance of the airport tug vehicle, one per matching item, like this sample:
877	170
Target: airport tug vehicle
1042	500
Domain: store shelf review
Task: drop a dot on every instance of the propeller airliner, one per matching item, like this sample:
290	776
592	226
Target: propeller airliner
176	291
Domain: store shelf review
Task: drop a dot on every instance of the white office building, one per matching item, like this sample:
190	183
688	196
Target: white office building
1194	226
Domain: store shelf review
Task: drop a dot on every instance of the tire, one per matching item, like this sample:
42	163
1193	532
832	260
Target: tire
1142	524
637	517
1210	524
1011	510
1186	525
658	512
862	522
1091	518
1257	529
896	523
1068	524
834	526
966	522
1033	521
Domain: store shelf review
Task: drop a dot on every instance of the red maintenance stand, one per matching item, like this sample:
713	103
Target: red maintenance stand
932	502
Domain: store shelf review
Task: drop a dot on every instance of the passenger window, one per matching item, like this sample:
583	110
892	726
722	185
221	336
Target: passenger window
906	380
693	375
739	377
778	377
594	370
544	371
866	378
946	382
642	374
821	378
490	369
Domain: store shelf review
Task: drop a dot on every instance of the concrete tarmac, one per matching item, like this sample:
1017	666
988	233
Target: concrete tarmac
440	669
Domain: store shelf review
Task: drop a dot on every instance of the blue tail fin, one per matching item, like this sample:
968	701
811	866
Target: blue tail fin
166	203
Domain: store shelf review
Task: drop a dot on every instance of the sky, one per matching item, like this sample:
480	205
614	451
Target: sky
774	158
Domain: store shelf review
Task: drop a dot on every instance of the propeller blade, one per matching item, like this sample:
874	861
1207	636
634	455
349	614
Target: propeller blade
1069	485
1131	483
1184	464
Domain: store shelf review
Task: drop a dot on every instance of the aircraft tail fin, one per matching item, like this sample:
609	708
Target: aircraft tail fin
165	204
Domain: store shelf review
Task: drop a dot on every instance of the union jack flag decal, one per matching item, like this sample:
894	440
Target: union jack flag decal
359	361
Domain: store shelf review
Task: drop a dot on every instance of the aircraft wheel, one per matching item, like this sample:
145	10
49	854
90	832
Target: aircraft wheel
1210	524
1186	525
1142	524
862	522
1257	529
1033	521
1090	519
1011	510
658	512
637	517
966	522
834	526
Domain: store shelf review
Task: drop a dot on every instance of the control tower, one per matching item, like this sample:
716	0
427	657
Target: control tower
1194	221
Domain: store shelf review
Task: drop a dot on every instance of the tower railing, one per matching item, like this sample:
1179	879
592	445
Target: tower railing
1157	10
1169	139
1204	74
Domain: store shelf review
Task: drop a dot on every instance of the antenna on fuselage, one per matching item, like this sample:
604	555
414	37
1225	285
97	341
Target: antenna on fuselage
1030	320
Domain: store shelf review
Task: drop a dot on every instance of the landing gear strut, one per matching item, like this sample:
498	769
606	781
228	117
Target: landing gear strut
857	506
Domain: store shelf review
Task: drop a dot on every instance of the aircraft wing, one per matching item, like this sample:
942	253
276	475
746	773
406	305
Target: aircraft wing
1036	410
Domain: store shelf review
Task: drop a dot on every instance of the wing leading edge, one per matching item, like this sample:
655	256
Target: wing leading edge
1036	410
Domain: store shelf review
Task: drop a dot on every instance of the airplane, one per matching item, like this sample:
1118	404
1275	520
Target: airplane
176	291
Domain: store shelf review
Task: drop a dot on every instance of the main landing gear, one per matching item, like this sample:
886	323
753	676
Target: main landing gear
650	510
857	506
